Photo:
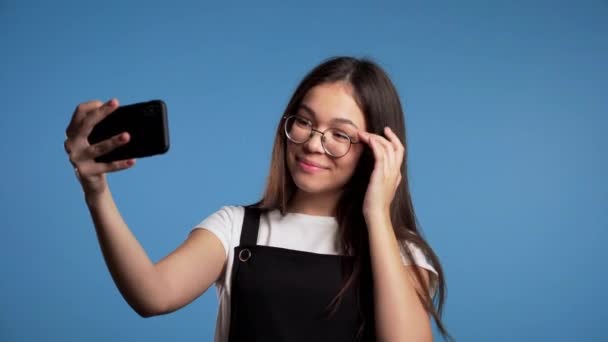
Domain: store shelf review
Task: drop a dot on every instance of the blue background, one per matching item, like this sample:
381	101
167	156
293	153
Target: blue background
506	108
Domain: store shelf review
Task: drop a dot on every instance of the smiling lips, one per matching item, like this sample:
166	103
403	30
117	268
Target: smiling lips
310	166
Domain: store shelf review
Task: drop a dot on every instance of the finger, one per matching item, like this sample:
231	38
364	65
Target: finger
97	115
106	146
383	141
396	142
363	136
91	169
118	165
394	139
378	152
389	154
366	137
393	148
79	113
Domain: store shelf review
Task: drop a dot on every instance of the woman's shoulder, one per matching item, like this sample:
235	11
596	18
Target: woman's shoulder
226	215
224	223
231	209
229	215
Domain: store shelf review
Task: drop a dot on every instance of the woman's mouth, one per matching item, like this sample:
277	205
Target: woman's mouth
309	166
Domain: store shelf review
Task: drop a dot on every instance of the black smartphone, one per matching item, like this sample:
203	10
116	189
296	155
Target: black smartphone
147	125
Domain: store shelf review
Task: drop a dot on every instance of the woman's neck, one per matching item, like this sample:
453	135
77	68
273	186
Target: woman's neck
314	204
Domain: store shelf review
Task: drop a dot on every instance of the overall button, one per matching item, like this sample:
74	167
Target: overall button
244	255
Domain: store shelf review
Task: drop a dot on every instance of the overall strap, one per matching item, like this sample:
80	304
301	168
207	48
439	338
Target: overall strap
251	225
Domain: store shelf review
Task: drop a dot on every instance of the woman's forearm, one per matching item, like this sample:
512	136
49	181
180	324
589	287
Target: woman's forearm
399	314
131	268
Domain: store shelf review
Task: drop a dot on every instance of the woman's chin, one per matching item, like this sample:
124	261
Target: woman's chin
310	187
308	184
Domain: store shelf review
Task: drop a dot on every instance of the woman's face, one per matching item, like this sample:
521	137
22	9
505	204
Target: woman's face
328	105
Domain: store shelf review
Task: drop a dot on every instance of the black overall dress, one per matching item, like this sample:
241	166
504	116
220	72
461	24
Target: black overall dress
281	294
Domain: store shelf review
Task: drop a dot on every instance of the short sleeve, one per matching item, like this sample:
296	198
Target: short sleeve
221	225
419	260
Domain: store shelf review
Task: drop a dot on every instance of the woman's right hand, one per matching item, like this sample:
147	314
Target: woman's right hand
90	173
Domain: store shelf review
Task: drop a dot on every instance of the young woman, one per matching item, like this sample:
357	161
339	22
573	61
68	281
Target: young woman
331	252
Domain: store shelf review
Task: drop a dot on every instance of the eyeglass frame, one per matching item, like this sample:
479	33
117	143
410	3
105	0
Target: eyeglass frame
312	133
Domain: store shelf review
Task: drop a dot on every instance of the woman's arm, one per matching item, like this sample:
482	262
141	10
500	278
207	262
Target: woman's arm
150	289
400	316
154	289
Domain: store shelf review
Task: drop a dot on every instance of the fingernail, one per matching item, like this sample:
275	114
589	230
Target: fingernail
111	102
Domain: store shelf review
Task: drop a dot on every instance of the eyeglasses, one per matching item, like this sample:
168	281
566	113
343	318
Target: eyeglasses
335	142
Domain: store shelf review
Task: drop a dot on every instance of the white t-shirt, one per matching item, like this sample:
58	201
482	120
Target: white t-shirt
316	234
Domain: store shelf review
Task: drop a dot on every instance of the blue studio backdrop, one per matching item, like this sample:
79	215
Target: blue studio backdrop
506	113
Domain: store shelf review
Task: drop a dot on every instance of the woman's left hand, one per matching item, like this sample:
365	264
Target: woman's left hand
386	176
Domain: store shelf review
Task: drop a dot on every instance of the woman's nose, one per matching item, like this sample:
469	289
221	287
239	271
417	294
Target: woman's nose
314	144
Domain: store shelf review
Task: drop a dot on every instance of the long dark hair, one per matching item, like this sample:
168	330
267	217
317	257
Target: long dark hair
378	100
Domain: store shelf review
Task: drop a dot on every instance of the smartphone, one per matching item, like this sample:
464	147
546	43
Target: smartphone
147	125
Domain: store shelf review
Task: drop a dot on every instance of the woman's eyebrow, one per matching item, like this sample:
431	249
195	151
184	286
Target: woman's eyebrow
340	120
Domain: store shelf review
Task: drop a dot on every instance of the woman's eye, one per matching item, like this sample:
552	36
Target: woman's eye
302	122
341	136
